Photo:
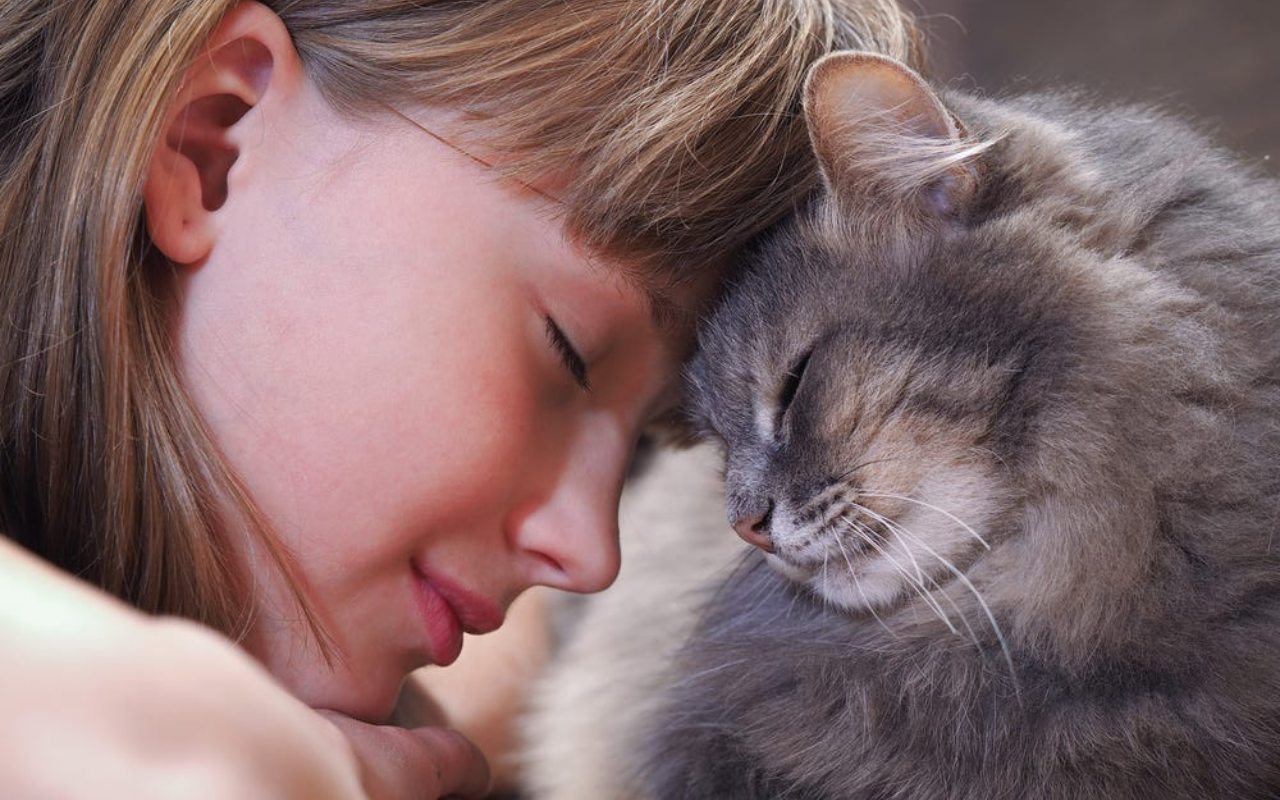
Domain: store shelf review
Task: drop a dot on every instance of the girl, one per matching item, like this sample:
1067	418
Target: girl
330	324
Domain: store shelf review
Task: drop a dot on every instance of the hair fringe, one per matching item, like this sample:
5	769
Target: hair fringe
682	139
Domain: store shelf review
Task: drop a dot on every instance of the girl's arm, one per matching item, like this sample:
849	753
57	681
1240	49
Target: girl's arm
102	701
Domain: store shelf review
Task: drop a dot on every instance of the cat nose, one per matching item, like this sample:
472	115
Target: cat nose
754	530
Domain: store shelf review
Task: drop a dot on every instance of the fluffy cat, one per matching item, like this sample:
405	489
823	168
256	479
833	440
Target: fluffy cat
1002	410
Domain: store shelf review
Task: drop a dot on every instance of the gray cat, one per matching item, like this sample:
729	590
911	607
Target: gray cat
1002	409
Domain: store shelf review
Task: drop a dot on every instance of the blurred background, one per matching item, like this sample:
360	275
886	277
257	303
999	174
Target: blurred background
1214	61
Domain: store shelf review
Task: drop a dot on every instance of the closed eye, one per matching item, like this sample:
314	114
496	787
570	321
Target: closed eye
569	355
791	385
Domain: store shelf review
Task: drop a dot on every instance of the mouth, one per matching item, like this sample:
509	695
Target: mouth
831	544
448	610
860	535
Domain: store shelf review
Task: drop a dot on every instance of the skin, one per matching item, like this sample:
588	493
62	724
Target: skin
92	682
485	692
362	317
429	418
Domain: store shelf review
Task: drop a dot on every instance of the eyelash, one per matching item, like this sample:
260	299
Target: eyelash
572	361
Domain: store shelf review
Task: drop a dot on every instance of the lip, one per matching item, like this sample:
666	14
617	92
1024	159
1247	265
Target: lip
444	629
448	610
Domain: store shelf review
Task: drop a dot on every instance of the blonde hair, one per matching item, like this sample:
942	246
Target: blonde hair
676	122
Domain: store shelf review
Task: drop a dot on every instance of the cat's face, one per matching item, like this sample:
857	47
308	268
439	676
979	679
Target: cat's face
865	386
858	435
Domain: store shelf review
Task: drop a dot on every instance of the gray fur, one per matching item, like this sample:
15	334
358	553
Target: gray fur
1092	344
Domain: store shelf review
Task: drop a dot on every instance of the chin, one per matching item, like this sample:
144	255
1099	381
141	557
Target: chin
869	592
874	588
363	692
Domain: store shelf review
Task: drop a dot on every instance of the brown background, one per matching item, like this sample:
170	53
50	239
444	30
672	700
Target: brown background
1215	61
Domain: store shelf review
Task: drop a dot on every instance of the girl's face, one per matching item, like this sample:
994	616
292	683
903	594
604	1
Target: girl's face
430	392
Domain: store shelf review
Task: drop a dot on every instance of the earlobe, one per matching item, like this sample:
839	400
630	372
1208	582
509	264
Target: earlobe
249	59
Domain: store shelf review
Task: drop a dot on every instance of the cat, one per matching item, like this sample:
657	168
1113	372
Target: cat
1000	414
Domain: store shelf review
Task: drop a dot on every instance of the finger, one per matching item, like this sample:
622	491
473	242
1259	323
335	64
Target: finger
461	768
422	764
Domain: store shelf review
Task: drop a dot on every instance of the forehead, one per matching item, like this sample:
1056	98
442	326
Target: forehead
775	295
675	290
675	295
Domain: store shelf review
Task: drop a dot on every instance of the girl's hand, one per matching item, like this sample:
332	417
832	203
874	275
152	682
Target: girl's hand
418	764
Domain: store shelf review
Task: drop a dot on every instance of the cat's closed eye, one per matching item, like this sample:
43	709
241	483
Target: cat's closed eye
791	385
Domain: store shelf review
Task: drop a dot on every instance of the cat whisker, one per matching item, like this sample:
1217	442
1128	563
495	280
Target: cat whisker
854	469
931	507
918	583
742	567
695	677
887	523
858	585
825	603
989	452
765	599
791	607
915	584
903	534
964	619
895	528
960	576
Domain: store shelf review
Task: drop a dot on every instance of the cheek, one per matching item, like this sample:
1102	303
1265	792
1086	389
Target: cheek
467	438
906	449
399	447
966	499
480	446
947	519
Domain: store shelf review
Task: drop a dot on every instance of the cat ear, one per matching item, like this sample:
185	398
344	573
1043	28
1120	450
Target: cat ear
880	133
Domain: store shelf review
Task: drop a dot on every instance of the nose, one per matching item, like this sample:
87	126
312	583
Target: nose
569	534
754	529
573	541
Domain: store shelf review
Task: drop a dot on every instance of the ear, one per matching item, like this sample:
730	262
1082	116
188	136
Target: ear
880	132
248	57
